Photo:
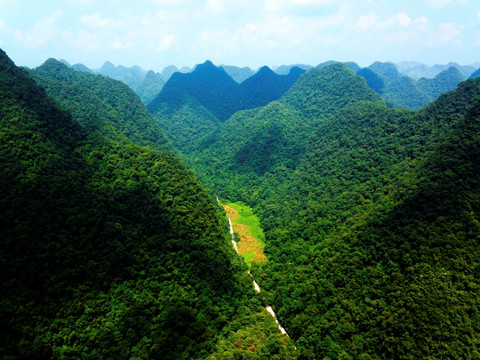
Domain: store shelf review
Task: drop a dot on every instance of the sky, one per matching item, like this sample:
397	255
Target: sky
156	33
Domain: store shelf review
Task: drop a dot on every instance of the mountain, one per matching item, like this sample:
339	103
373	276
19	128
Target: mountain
475	74
110	249
266	144
238	74
352	65
81	68
132	76
444	82
210	85
374	80
101	104
168	71
150	87
285	69
394	87
406	92
192	106
371	213
265	86
418	70
321	91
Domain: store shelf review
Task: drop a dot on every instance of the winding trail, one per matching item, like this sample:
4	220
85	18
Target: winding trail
255	284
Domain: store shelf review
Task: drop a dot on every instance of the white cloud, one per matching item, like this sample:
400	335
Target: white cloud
448	33
438	3
168	2
214	7
82	2
84	40
96	21
166	42
403	19
286	5
372	22
124	43
41	32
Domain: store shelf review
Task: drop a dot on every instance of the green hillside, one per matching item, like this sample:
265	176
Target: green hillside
101	104
191	107
370	215
110	249
405	92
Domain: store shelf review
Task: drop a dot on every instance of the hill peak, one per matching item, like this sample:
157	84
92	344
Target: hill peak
322	91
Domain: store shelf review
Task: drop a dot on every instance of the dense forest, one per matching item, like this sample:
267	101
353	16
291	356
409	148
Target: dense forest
110	248
370	214
366	183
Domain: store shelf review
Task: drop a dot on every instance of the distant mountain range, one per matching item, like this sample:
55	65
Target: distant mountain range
147	84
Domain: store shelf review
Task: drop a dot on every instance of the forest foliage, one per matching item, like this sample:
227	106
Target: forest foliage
370	214
109	248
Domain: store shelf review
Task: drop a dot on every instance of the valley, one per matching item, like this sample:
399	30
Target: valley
353	212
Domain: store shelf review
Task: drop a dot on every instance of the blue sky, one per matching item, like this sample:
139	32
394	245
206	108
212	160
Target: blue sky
157	33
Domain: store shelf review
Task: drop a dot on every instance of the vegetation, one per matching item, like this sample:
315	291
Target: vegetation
109	249
251	239
101	105
372	230
405	92
191	107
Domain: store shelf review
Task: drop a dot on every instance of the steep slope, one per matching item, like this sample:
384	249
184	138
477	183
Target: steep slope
108	249
377	226
185	121
100	103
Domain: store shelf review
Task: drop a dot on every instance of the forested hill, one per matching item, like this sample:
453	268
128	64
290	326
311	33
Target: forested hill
212	87
101	104
255	150
405	92
209	85
192	106
110	249
371	215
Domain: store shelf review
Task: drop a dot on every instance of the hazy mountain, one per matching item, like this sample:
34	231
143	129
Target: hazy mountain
168	71
418	70
475	74
285	69
404	91
81	68
445	81
238	74
131	76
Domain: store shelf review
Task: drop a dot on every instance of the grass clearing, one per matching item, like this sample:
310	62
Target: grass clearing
247	226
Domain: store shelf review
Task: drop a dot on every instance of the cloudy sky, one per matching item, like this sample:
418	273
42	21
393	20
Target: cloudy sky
157	33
